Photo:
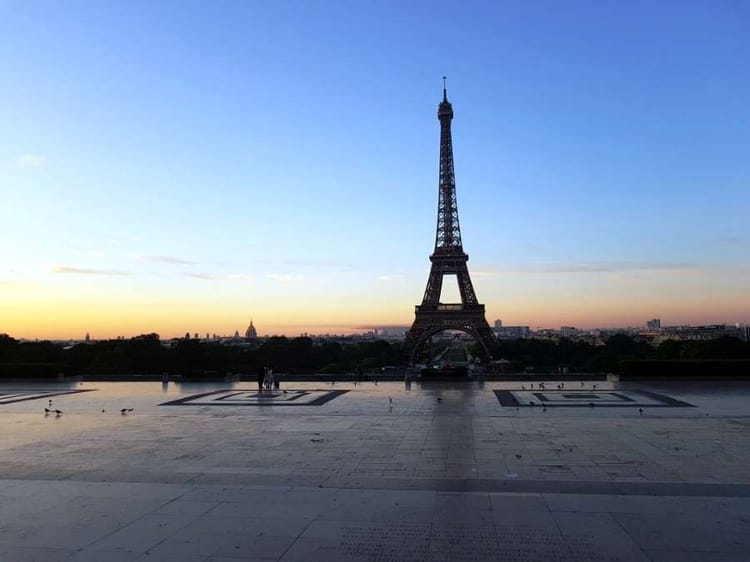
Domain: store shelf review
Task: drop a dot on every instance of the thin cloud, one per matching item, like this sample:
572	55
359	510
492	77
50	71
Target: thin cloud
205	276
240	276
30	160
589	267
304	263
729	241
284	277
389	278
14	283
86	271
168	259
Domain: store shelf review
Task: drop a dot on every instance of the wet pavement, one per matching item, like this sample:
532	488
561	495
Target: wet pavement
563	471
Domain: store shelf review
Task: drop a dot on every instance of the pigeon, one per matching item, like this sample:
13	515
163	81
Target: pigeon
531	402
439	399
47	411
58	412
640	411
126	410
594	387
518	456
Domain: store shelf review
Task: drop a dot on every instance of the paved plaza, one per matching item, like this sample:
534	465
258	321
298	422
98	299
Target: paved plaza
563	472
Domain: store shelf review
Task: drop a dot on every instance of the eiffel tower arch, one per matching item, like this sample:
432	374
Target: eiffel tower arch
448	258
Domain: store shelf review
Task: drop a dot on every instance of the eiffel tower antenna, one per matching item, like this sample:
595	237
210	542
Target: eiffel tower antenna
448	258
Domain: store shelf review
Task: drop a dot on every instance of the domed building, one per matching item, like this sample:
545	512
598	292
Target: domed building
251	333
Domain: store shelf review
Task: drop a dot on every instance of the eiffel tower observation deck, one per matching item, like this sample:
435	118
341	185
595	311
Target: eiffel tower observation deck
448	258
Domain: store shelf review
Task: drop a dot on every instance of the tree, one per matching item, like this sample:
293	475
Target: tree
8	348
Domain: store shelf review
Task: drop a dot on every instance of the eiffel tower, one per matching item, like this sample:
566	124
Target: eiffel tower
449	258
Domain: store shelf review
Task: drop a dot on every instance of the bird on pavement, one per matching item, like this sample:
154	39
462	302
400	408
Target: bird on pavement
439	399
58	412
640	411
124	411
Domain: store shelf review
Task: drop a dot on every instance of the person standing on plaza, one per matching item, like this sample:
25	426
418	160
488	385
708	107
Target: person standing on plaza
262	377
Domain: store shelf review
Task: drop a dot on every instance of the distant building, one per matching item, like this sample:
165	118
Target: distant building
653	324
251	333
569	331
512	332
704	333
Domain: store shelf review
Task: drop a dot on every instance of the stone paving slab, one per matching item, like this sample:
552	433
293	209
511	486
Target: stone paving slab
382	472
333	524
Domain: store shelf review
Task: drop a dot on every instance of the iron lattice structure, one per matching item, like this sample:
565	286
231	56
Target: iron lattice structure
449	258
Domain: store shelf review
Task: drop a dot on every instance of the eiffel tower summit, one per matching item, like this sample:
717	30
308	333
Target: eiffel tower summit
448	258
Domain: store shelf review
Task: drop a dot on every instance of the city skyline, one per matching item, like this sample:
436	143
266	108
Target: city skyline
170	169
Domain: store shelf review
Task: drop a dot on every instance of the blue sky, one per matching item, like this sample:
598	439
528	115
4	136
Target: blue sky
182	166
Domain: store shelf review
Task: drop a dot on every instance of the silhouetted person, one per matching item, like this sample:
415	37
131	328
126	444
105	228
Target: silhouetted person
268	380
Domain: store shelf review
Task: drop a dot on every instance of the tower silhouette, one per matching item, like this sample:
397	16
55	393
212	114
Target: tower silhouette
449	258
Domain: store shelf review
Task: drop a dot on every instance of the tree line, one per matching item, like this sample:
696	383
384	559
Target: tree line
146	354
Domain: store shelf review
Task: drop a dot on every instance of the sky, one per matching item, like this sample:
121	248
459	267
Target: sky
185	166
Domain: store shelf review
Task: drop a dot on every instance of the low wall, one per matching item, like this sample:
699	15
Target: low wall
686	369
